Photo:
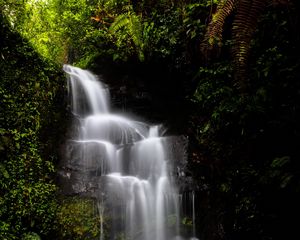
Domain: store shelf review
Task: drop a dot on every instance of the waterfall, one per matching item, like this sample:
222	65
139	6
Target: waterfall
127	161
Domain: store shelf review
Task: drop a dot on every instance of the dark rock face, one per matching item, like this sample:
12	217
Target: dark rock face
150	91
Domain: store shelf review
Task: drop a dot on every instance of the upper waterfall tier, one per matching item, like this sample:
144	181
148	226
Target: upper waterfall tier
88	94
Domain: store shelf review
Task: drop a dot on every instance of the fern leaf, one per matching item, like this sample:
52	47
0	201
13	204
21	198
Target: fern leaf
244	25
121	21
132	24
213	35
136	30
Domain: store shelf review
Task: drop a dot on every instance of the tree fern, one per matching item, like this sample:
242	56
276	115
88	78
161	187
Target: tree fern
243	27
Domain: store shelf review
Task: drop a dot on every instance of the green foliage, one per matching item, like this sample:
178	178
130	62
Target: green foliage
128	27
187	222
248	141
31	236
56	29
78	219
29	88
80	31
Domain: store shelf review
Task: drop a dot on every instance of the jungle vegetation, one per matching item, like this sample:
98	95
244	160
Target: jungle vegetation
230	69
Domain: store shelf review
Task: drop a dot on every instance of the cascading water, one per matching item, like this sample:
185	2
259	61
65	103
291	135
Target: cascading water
129	161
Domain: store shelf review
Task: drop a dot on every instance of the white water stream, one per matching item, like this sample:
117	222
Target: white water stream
141	199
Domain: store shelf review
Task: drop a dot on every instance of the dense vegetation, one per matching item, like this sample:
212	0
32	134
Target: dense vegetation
30	89
226	73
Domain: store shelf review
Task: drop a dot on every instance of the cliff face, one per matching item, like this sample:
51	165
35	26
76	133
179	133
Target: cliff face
148	90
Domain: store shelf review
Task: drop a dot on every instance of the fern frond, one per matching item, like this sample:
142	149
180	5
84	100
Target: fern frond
244	25
121	21
213	35
136	30
132	24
